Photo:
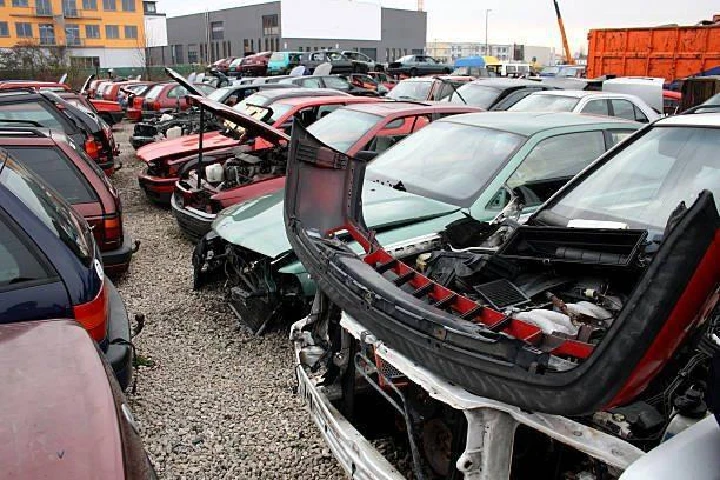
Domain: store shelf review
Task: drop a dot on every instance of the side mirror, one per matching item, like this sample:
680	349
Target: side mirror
365	156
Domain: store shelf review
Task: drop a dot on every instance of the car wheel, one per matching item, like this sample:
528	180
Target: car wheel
413	72
446	71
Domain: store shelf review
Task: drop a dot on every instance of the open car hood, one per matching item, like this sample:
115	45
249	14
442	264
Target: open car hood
185	145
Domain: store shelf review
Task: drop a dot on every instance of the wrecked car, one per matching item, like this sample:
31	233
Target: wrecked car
261	162
414	65
165	158
494	158
562	348
428	88
372	127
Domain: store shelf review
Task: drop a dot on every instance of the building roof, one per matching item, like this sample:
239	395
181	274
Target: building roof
528	124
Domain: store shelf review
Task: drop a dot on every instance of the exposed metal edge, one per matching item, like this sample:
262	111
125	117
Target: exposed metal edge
606	448
355	454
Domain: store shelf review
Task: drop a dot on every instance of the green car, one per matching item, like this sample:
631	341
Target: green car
472	165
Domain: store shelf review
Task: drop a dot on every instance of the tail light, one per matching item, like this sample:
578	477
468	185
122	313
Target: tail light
93	315
137	102
112	226
156	105
93	148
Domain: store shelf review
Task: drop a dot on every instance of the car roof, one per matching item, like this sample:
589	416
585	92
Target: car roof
385	108
531	123
279	93
500	82
691	120
62	387
583	94
326	99
11	96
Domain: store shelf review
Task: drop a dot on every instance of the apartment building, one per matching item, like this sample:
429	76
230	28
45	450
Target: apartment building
104	33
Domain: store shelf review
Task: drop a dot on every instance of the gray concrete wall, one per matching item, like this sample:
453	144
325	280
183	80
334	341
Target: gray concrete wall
402	31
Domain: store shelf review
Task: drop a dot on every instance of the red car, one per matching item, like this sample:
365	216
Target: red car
169	97
255	65
165	158
383	79
361	126
81	182
135	101
63	415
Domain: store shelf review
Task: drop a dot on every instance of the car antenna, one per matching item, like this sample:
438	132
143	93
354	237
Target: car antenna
454	87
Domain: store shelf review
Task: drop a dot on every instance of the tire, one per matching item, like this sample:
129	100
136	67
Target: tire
413	72
447	71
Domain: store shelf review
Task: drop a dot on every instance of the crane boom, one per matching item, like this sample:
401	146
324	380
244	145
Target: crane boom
568	55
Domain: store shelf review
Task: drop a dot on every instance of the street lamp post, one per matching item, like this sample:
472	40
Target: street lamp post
487	48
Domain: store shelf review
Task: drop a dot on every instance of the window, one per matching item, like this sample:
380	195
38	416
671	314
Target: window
43	7
112	31
617	136
193	54
47	34
217	30
92	31
17	262
72	35
150	8
596	107
69	8
109	5
131	31
177	54
4	32
19	3
84	62
252	44
53	166
337	83
311	83
128	5
623	109
640	116
89	4
270	25
553	162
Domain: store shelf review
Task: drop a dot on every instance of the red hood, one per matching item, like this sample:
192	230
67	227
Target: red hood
248	192
186	145
106	105
58	416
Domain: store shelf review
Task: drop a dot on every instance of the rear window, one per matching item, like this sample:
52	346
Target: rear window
49	207
154	92
54	167
17	263
12	114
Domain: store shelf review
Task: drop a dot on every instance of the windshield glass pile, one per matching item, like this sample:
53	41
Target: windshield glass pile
426	165
646	181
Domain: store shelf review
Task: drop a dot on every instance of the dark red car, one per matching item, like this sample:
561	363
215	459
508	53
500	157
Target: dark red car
135	101
63	415
165	158
255	65
169	97
81	182
372	127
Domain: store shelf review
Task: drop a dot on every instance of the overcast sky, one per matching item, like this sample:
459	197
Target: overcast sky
530	22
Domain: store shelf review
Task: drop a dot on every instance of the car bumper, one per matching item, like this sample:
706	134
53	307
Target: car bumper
158	190
119	351
117	261
108	167
138	141
193	223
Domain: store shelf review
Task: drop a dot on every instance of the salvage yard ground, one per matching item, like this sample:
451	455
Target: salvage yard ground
213	402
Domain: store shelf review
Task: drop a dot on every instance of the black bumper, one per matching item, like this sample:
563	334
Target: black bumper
138	141
117	261
193	225
118	352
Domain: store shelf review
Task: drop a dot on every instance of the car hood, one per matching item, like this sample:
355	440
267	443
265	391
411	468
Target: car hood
258	224
185	145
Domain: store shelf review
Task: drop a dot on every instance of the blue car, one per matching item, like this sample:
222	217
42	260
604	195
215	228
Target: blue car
50	266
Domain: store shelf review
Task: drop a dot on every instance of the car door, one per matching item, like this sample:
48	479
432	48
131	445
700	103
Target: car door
30	289
548	166
623	108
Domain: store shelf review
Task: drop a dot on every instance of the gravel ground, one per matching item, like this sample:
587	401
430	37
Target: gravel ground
214	402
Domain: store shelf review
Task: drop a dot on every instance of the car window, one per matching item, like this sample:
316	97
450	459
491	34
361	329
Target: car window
596	107
553	162
49	207
617	136
311	83
206	89
475	95
444	92
324	110
544	103
277	57
623	109
176	92
31	111
154	92
336	83
17	262
56	169
335	56
512	98
343	128
640	116
411	90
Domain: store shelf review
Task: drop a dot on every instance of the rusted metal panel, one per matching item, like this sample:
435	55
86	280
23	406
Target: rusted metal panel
663	52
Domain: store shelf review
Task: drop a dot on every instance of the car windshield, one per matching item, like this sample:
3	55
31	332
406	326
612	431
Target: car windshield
254	99
278	110
30	111
425	164
343	128
49	206
411	90
545	103
643	183
277	57
154	92
476	95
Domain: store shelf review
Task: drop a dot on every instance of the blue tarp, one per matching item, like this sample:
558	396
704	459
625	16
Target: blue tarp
474	61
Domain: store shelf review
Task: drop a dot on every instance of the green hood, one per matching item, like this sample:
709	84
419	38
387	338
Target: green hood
258	225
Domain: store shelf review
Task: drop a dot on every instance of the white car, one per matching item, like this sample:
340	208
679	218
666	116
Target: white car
618	105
